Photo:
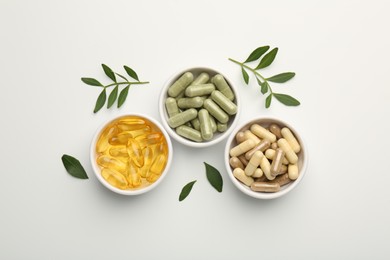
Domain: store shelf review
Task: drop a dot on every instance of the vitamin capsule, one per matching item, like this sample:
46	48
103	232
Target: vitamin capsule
243	159
115	178
254	162
216	111
290	154
274	146
265	186
236	163
205	124
152	177
282	179
158	164
283	169
171	106
201	79
258	173
250	135
195	124
240	175
221	84
240	137
121	138
266	168
194	102
161	148
149	139
290	138
133	177
182	118
199	90
180	84
275	129
111	162
189	133
270	154
263	133
276	164
131	124
102	144
118	151
242	148
221	127
293	171
213	124
141	131
225	103
134	151
147	153
262	146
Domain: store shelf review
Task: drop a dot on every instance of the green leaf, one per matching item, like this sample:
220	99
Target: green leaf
112	97
123	77
264	87
256	54
259	81
131	73
245	75
286	99
267	59
123	96
91	82
214	177
186	190
74	167
109	72
100	101
282	77
268	101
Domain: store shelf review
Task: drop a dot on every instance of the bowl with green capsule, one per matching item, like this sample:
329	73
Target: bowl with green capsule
199	106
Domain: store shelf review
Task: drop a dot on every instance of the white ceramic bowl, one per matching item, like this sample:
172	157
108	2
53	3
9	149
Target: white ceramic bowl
97	170
302	158
217	136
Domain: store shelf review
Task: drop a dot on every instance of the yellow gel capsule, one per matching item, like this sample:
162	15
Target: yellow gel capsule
121	138
115	178
131	124
149	139
118	151
102	144
141	131
148	159
134	180
112	163
152	177
159	164
135	152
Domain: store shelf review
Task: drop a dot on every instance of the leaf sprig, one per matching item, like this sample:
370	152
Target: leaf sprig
102	98
262	81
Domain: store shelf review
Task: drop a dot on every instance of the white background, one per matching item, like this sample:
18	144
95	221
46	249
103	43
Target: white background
340	52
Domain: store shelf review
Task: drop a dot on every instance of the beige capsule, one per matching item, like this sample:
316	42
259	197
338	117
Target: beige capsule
263	133
274	145
265	186
276	164
240	137
262	146
258	173
270	154
242	148
240	175
243	159
254	162
266	167
290	154
236	163
282	179
293	171
275	129
292	141
283	169
249	135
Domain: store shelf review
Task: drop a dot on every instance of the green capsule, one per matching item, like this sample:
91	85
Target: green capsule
180	84
201	79
221	127
171	106
189	133
205	124
216	111
213	124
194	102
221	100
182	118
199	90
221	84
195	124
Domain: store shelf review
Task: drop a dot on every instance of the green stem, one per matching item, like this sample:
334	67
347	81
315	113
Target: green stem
127	82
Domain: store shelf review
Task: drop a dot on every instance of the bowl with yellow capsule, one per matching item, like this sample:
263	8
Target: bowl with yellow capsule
131	154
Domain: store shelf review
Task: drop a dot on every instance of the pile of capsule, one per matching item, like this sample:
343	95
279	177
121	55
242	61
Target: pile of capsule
265	159
131	153
198	108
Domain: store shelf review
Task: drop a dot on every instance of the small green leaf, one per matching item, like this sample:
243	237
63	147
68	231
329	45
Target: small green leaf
268	101
112	97
214	177
267	59
100	101
123	77
259	81
74	167
256	54
131	73
286	99
186	190
109	72
282	77
245	75
264	87
91	82
123	96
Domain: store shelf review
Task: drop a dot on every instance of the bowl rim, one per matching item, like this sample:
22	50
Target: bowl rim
97	170
163	113
263	195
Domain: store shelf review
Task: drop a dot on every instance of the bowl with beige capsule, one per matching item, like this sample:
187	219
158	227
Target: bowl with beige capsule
266	158
131	154
199	106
